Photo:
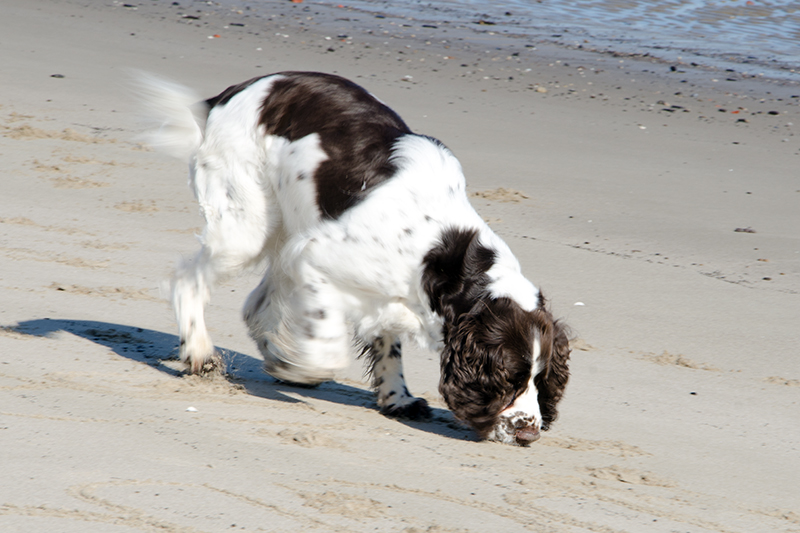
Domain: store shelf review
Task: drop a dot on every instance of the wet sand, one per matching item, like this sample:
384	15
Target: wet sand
619	183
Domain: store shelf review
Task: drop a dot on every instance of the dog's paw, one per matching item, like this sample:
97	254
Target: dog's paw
413	409
204	365
199	355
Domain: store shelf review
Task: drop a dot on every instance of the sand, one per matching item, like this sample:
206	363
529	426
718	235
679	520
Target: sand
683	413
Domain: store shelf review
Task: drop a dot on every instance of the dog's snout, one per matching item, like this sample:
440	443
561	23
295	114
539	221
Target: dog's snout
527	435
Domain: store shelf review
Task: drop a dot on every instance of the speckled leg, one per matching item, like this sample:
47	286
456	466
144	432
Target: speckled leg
387	380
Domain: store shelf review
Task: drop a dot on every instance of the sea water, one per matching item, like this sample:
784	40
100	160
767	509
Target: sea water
760	37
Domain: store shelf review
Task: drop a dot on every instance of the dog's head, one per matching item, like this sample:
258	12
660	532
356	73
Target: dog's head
504	371
504	368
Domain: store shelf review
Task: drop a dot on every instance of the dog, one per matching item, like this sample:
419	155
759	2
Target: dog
369	241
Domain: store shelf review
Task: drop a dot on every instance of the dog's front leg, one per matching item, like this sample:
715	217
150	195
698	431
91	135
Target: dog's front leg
393	396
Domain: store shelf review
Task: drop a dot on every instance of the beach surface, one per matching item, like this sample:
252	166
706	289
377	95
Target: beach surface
657	205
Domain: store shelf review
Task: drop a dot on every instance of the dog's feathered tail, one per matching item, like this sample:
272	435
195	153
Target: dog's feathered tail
175	117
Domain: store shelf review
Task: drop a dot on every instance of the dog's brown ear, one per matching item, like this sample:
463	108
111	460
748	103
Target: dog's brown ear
455	271
464	361
486	361
552	379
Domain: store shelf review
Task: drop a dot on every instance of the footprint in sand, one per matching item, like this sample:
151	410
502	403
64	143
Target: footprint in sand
28	132
666	359
63	181
124	293
137	206
501	194
627	475
776	380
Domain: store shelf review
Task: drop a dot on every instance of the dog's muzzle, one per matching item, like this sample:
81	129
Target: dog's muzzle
517	429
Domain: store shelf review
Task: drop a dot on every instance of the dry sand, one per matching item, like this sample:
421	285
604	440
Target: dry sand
683	413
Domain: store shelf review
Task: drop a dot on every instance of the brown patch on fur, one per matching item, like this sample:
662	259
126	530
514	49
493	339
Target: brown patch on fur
356	131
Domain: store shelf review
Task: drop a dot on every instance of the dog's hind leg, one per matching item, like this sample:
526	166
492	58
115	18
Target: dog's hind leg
299	325
228	166
236	209
394	399
190	294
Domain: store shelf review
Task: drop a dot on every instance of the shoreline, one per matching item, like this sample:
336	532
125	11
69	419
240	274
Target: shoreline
549	27
701	71
635	81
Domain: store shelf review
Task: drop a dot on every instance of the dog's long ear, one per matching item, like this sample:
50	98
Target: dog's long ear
486	361
455	272
464	359
554	374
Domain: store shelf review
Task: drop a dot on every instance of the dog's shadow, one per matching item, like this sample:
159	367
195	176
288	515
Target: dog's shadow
157	349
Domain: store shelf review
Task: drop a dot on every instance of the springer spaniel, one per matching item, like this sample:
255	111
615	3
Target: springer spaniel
368	235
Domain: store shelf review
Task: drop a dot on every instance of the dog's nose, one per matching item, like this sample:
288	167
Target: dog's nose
527	435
